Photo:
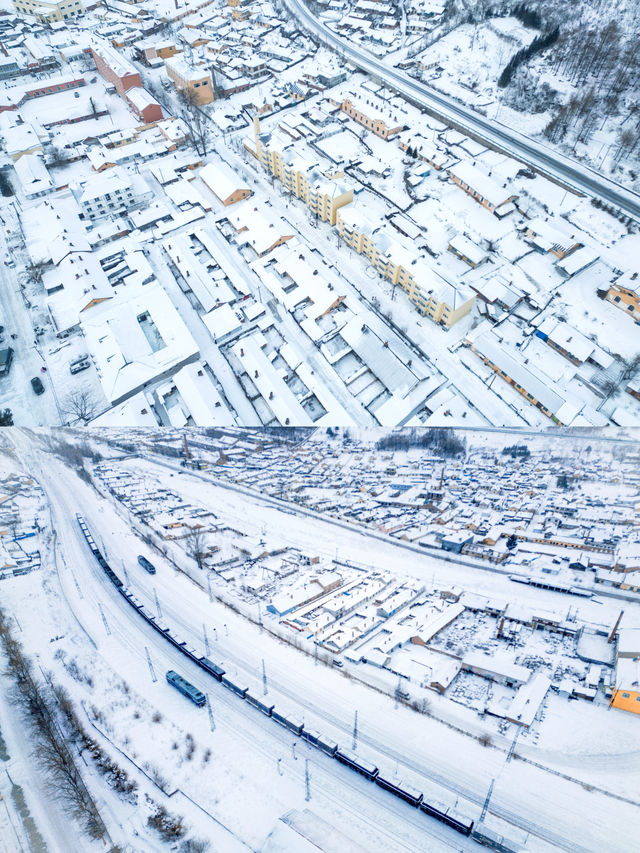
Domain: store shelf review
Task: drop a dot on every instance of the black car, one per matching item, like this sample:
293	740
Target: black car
146	565
6	357
36	384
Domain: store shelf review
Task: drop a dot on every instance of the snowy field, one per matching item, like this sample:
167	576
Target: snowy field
194	763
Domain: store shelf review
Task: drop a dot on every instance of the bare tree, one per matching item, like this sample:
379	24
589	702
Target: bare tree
35	270
81	406
195	119
195	545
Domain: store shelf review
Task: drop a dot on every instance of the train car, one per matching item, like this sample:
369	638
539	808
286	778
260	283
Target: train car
409	795
449	816
327	745
235	688
264	705
488	838
360	765
146	565
212	668
311	736
295	725
186	688
459	822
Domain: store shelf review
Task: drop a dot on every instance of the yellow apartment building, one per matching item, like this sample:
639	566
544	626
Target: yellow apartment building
50	10
323	195
190	78
367	114
431	294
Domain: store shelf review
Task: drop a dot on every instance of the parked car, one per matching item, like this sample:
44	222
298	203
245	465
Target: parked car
6	357
37	385
76	367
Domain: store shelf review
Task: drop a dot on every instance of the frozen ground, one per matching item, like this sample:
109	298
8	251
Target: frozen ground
107	640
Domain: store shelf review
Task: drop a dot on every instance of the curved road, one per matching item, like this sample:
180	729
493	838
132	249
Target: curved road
532	152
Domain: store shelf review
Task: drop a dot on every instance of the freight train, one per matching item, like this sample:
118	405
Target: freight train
443	812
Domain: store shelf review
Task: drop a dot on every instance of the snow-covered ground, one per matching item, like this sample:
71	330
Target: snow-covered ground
113	664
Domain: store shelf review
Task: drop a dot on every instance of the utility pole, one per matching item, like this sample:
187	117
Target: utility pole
355	731
124	572
260	616
307	780
151	670
206	639
264	678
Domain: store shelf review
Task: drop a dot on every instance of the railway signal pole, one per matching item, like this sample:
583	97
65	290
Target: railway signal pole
206	639
355	731
210	710
264	678
154	678
486	802
124	572
307	786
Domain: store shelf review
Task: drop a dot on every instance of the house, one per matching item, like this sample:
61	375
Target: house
224	183
145	107
482	187
110	192
467	250
255	230
522	375
553	235
137	338
624	293
33	176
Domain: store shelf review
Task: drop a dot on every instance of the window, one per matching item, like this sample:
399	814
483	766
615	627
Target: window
625	695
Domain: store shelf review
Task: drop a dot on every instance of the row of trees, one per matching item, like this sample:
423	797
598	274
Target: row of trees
442	441
39	710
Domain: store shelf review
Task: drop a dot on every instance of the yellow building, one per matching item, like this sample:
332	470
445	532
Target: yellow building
50	10
433	296
193	79
371	116
626	692
322	194
625	295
